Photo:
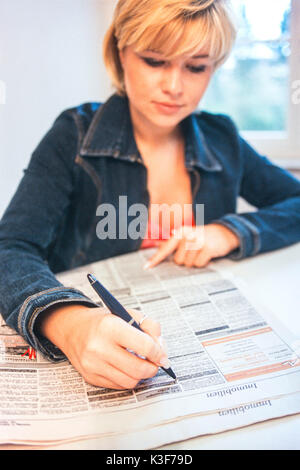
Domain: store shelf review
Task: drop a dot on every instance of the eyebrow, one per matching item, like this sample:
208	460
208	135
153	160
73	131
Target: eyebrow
200	56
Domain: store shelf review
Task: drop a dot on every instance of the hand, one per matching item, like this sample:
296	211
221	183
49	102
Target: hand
196	246
96	342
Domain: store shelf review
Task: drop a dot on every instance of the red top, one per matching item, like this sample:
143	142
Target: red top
160	232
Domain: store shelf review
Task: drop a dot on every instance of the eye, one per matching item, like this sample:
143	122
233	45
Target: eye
153	62
199	69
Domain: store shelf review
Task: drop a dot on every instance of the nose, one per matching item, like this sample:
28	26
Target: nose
172	81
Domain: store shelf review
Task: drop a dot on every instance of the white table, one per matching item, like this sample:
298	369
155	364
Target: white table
275	280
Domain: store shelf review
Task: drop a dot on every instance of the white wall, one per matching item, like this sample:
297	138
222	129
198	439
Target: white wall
50	59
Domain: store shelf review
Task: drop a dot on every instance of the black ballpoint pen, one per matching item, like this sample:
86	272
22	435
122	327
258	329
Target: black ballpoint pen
117	309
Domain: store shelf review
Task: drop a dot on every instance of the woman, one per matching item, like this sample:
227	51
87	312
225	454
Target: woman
145	142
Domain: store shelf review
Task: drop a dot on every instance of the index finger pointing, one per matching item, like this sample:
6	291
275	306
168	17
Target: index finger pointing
164	250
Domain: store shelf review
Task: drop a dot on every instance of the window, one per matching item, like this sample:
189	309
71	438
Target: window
259	86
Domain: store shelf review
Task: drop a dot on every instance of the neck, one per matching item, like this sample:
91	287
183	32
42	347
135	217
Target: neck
151	135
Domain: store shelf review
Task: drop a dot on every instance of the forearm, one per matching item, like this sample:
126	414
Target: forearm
266	229
27	288
58	323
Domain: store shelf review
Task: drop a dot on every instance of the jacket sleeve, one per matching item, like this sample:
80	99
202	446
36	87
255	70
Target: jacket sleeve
276	195
27	230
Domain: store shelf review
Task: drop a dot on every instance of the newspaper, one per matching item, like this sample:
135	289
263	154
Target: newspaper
233	366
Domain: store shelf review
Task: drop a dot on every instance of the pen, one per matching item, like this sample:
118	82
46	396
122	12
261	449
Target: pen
117	309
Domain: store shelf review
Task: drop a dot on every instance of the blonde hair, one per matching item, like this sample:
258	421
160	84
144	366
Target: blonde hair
171	27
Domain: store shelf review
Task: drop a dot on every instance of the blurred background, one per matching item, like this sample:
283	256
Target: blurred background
261	56
51	59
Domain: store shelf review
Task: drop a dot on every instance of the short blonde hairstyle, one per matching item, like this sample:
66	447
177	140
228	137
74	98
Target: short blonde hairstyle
171	27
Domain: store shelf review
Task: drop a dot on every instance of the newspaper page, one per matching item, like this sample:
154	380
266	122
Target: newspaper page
233	367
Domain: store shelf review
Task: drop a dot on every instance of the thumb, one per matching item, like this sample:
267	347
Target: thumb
163	252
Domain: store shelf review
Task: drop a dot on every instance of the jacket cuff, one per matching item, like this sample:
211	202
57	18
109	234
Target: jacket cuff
38	303
246	231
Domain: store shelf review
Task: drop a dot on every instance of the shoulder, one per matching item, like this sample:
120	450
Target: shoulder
62	140
79	116
221	136
70	127
214	125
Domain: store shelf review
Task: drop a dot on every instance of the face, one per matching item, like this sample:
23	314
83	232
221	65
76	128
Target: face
162	92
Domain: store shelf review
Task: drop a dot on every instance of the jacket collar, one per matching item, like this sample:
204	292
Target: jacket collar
111	134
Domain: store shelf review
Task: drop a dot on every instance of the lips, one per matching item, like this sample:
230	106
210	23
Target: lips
169	105
167	108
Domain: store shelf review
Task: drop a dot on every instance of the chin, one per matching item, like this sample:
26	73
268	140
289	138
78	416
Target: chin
165	120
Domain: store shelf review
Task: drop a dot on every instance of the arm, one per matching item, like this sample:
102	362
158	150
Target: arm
60	321
275	224
276	195
27	231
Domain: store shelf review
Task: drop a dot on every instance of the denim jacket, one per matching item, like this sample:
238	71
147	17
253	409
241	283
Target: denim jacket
89	157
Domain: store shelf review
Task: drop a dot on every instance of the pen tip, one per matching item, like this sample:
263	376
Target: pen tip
171	373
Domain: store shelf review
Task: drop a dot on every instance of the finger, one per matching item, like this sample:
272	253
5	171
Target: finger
190	258
189	247
149	325
192	247
202	259
100	381
119	366
163	345
120	375
131	338
163	251
153	328
122	381
131	365
180	254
